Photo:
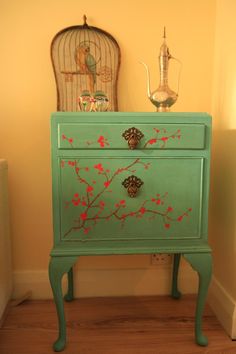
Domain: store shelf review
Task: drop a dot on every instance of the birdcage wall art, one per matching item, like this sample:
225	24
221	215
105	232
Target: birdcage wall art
86	63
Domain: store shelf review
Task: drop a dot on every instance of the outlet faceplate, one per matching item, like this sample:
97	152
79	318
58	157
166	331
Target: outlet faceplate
161	259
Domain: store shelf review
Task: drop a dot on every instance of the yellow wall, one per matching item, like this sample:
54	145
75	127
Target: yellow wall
224	161
28	96
223	189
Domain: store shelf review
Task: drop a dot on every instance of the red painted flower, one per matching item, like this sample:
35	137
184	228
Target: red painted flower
164	138
157	201
98	167
63	137
71	163
167	226
142	210
89	189
102	203
122	202
70	140
101	141
169	209
180	218
83	216
86	230
107	183
76	202
152	141
83	203
76	195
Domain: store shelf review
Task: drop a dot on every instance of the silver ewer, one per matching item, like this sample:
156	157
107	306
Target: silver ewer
163	97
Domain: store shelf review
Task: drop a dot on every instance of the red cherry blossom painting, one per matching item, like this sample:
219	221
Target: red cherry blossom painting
98	196
94	201
156	138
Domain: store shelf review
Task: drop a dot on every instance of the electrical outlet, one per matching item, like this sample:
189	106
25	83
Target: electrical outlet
161	259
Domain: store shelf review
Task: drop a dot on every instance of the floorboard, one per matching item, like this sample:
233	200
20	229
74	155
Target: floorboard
117	325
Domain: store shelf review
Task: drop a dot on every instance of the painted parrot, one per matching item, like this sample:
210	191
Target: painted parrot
87	64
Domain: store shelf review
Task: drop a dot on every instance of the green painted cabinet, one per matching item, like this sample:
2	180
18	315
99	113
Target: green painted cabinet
129	183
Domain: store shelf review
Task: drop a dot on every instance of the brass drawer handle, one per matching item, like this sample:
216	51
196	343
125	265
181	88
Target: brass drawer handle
133	135
132	184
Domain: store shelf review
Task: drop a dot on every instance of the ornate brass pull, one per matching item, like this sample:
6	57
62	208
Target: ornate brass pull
132	184
133	135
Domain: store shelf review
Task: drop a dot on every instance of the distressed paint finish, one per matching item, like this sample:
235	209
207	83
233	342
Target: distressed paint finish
94	215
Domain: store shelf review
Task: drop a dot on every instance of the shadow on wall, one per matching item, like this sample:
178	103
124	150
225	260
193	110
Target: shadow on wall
222	226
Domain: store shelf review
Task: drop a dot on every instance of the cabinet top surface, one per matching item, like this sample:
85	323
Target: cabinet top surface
119	117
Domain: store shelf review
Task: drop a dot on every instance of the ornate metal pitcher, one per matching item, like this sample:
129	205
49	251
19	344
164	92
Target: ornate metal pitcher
163	98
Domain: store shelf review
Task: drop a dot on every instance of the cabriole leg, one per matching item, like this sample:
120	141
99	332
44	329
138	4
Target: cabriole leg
175	293
202	263
69	296
57	267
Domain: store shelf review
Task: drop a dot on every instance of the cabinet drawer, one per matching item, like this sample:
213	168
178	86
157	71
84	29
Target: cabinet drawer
95	204
107	136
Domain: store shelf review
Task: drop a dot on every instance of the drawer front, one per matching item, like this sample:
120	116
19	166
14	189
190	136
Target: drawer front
119	136
96	202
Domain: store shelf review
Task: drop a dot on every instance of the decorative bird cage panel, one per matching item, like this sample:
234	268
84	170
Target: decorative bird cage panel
86	64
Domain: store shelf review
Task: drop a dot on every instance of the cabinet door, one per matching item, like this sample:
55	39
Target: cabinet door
95	205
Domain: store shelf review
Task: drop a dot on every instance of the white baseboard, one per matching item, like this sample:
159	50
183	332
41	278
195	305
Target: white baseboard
108	282
224	307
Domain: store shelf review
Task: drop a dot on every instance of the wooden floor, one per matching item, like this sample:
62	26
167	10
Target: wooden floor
128	325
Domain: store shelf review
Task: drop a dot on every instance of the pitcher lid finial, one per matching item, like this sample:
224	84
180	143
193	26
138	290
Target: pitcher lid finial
85	21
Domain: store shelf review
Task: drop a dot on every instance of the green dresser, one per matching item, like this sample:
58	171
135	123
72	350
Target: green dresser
130	183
